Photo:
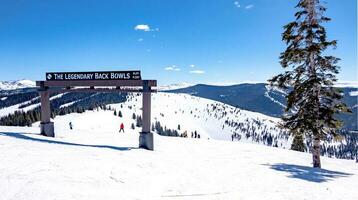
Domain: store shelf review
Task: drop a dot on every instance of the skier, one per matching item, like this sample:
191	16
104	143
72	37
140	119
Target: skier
121	128
70	124
185	134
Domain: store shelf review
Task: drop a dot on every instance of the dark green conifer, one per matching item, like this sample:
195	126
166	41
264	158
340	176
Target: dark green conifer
298	143
312	102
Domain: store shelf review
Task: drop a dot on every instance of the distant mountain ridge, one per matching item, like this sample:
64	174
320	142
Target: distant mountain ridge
264	99
18	84
174	86
257	97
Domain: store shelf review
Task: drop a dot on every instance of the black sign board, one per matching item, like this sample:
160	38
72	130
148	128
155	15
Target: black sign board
82	76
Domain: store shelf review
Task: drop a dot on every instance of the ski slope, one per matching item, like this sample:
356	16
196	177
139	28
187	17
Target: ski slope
12	109
94	161
205	116
211	119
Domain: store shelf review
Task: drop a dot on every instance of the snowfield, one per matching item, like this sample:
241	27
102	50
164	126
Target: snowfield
211	119
94	161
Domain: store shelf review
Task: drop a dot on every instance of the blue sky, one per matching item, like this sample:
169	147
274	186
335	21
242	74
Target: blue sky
201	41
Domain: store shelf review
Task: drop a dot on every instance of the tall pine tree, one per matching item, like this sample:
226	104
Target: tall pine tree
312	102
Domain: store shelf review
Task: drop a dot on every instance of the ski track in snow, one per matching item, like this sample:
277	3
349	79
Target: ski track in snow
73	102
12	109
268	89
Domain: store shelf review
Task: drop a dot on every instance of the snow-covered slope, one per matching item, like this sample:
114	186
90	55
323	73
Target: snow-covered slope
19	107
210	119
94	161
355	93
12	85
343	84
187	115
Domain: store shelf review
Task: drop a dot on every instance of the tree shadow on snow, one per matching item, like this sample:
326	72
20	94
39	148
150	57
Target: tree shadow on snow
25	137
308	173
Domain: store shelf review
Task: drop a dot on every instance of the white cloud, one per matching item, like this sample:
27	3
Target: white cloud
142	27
172	68
249	6
192	65
145	27
140	40
237	4
197	72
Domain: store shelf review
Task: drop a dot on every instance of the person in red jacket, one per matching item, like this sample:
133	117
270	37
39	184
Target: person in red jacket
121	128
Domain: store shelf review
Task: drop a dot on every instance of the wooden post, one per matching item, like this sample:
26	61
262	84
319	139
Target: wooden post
146	137
47	127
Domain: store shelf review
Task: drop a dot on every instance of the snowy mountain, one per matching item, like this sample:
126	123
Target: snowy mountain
351	84
172	115
174	86
210	119
264	99
13	85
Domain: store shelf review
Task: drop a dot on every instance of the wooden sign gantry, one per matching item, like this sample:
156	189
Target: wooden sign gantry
105	83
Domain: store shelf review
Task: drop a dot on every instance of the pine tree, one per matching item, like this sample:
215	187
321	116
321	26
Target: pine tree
312	102
298	143
120	113
115	112
139	121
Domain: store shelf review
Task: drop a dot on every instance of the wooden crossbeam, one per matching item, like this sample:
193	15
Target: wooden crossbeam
62	90
115	83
